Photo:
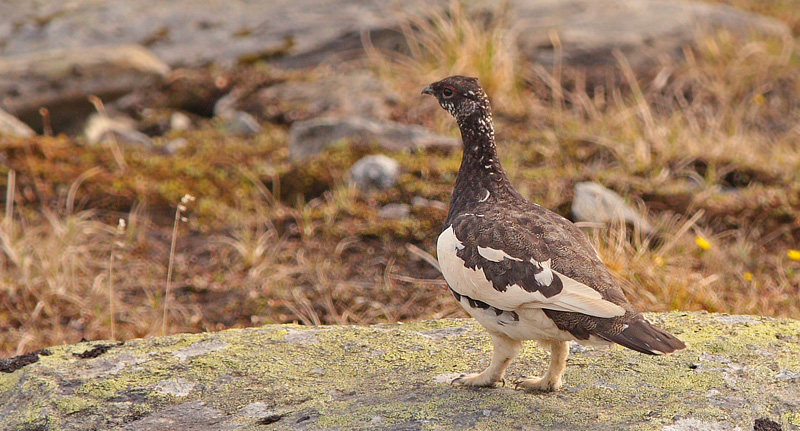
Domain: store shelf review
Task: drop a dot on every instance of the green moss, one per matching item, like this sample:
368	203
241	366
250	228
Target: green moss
70	405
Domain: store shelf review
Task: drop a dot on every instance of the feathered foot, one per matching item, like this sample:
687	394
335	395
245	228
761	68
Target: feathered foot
505	350
551	380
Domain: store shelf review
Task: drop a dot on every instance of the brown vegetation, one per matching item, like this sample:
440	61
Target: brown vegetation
709	149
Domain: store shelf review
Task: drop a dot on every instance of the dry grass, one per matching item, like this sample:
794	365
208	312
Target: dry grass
713	142
709	147
453	40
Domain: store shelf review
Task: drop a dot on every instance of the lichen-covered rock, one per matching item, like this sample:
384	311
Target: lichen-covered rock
733	373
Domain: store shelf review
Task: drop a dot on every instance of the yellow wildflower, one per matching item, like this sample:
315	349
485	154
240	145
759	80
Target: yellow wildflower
794	254
659	261
748	276
702	242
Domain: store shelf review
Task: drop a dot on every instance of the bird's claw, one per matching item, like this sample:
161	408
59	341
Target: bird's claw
458	378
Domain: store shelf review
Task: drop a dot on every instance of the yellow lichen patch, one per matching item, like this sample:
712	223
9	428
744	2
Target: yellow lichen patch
71	405
386	375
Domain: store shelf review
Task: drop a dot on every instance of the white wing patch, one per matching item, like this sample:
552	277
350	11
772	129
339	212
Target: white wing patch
574	297
494	255
579	298
546	276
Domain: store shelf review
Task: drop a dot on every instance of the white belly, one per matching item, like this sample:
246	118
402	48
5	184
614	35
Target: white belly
519	323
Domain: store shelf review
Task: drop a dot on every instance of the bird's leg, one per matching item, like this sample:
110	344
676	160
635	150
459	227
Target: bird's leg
551	380
505	350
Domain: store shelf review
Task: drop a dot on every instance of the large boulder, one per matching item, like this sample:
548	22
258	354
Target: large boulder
589	31
737	370
358	93
62	80
311	137
299	33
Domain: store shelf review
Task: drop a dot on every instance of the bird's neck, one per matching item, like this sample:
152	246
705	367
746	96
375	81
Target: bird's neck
481	177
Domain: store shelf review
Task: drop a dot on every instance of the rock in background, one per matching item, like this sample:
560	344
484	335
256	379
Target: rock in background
307	138
12	126
56	54
597	204
62	80
300	33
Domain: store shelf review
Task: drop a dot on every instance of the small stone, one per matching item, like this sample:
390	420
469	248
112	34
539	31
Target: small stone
243	124
200	348
785	374
256	410
417	201
178	387
101	128
765	424
575	347
173	146
376	171
179	121
598	204
12	126
394	211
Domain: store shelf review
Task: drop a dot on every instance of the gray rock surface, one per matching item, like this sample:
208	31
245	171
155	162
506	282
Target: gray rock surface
375	171
12	126
191	32
307	138
307	32
396	377
54	54
62	80
356	93
589	31
595	203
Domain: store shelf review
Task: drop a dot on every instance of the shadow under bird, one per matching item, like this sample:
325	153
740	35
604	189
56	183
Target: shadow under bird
522	271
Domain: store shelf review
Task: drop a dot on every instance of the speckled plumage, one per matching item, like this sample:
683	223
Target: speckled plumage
521	270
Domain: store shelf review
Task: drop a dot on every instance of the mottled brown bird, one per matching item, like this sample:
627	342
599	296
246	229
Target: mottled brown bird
522	271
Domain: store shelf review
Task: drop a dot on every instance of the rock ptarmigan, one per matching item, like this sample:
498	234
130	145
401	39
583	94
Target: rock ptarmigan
522	271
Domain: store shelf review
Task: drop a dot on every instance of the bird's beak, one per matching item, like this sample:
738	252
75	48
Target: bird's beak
427	90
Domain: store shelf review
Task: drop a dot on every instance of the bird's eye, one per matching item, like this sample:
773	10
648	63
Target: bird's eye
447	92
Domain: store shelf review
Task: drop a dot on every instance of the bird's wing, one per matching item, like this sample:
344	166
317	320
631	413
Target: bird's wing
509	266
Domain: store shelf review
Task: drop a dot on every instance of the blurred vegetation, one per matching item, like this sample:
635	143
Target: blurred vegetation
708	148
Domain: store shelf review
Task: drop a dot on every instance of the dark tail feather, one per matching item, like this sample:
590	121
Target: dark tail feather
642	336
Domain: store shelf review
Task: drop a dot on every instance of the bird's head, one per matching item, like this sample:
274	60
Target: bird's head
461	96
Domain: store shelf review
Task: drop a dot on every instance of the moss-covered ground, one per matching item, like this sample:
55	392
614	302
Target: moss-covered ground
391	376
